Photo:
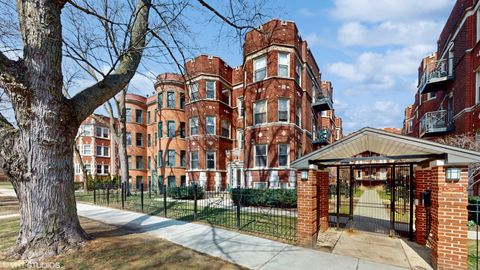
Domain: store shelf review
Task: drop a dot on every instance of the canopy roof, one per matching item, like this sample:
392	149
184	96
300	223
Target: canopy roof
393	148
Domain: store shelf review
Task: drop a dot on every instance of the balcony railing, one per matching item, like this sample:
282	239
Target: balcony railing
436	122
323	102
436	72
323	136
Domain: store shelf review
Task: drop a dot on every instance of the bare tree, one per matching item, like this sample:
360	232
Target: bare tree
37	151
468	142
37	156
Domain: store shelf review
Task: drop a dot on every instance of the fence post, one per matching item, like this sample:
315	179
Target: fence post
108	195
94	195
141	195
150	189
122	194
165	200
194	201
238	206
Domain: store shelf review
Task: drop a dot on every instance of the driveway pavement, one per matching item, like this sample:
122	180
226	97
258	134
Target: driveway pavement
245	250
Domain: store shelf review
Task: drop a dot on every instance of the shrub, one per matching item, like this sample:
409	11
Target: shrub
101	182
283	198
185	193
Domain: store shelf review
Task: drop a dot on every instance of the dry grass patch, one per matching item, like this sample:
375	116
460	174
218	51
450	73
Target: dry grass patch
8	205
119	248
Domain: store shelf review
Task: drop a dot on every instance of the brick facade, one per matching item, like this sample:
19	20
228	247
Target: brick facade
278	83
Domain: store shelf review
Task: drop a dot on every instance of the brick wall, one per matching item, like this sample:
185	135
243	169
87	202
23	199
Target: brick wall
449	219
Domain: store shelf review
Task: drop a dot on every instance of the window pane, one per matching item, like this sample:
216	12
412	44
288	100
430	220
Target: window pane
160	100
194	126
210	125
283	110
210	85
194	160
260	111
210	160
128	115
129	138
171	158
225	128
193	91
138	116
171	99
171	129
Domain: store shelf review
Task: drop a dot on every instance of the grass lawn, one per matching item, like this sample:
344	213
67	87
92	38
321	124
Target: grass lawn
6	184
116	248
257	221
472	254
8	205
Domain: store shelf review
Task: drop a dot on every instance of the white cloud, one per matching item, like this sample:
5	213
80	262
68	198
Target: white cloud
385	10
306	12
381	70
388	33
381	114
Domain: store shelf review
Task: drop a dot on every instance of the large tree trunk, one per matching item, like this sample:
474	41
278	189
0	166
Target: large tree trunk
38	155
51	226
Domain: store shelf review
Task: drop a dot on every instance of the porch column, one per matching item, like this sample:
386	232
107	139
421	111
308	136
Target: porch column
422	183
449	233
323	179
307	227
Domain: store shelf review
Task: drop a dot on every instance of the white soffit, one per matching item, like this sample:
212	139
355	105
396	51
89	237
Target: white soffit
387	144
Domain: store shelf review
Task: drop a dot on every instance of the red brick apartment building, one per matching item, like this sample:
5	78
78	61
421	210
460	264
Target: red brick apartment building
222	126
448	96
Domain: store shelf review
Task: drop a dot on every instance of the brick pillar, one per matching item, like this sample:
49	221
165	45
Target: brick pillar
449	220
323	178
307	227
422	183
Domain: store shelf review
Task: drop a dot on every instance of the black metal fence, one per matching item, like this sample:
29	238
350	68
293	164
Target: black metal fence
268	213
473	236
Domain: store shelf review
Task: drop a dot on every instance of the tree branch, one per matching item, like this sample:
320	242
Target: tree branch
12	74
92	97
223	18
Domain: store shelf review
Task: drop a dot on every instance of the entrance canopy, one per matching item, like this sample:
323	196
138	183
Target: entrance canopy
392	148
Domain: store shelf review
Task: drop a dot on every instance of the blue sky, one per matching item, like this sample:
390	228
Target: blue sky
370	50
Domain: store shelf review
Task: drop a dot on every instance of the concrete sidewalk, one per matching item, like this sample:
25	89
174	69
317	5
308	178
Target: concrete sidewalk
245	250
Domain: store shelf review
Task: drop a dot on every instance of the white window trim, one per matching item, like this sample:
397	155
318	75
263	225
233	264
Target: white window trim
266	68
255	155
260	185
83	150
102	154
191	160
477	88
288	110
214	125
288	155
288	64
88	127
266	111
478	26
193	119
214	89
229	129
239	142
103	130
190	88
240	100
214	160
429	96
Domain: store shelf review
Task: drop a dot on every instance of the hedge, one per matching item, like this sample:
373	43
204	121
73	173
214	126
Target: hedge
185	193
283	198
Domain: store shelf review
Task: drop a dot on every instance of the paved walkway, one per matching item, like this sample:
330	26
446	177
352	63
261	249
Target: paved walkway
370	213
248	251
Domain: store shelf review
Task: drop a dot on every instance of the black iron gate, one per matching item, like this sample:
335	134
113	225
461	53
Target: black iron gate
374	198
